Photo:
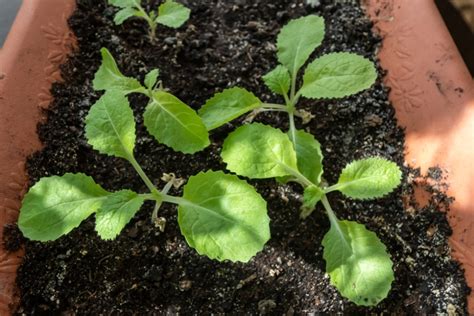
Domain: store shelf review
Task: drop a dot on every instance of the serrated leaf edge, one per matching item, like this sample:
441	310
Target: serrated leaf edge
153	100
99	209
218	94
384	248
400	173
348	94
114	129
265	79
58	177
220	172
293	20
320	177
234	131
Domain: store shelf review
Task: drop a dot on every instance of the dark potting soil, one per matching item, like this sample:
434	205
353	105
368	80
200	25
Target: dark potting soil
145	271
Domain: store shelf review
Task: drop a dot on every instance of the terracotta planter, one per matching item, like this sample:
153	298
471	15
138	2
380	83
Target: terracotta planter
433	95
38	43
432	92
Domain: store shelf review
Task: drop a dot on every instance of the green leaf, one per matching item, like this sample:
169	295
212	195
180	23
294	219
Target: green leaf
259	151
297	40
309	156
124	14
110	126
153	14
144	15
223	217
56	205
358	263
312	195
369	178
338	75
175	124
172	14
278	80
109	77
227	105
124	3
116	212
151	78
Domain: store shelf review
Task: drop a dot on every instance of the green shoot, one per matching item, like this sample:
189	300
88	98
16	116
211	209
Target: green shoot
169	13
259	151
167	118
214	208
334	75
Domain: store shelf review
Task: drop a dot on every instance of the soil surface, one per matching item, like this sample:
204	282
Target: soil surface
145	271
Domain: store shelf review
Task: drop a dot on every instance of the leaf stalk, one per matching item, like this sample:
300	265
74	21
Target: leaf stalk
144	177
334	220
154	215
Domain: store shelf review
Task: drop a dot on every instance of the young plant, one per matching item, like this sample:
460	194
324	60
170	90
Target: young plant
333	75
167	118
169	13
214	209
356	260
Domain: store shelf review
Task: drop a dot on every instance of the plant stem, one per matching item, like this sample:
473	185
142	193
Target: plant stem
155	194
297	96
333	220
332	216
300	177
287	99
293	85
334	187
291	104
151	23
274	106
175	199
152	32
154	215
148	196
144	177
291	116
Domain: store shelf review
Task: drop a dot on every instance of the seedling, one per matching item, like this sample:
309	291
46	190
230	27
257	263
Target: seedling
214	209
333	75
169	13
356	260
167	118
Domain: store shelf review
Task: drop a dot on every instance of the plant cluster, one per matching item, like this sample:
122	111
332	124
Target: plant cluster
214	209
169	13
220	215
356	260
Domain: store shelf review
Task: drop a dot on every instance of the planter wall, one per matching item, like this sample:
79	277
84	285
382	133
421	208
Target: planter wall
36	46
432	92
